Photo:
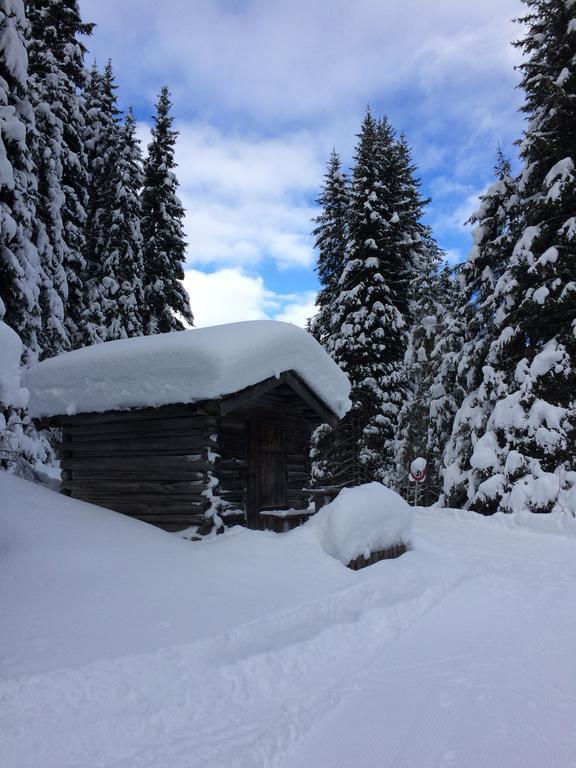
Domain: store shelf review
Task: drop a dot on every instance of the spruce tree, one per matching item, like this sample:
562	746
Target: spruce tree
56	66
121	263
415	424
370	313
20	271
446	391
525	459
478	278
330	241
164	251
101	142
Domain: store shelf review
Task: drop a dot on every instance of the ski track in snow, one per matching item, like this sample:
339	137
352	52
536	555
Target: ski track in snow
238	699
358	678
485	680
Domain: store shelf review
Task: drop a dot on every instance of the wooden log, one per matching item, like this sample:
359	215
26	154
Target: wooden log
296	458
234	497
232	485
152	434
145	463
173	424
125	453
134	414
142	507
188	442
80	476
232	424
161	501
119	486
375	557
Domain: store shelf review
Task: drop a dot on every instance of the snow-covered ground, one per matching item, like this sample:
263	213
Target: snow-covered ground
123	646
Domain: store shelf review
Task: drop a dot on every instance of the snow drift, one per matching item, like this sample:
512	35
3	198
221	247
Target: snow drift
123	645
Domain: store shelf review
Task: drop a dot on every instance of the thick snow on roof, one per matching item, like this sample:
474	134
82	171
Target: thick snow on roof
183	367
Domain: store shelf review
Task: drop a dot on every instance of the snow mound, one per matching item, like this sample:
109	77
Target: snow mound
183	367
11	392
363	520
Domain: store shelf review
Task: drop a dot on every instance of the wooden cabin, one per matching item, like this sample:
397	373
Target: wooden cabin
184	448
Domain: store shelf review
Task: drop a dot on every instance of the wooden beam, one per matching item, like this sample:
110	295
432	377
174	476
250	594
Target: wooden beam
231	402
311	398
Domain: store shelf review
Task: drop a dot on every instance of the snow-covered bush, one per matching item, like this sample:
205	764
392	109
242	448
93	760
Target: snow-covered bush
361	521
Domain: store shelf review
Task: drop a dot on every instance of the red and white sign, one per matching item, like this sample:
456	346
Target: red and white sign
417	470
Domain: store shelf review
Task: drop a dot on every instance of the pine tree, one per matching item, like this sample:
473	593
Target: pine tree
478	278
165	298
121	273
20	271
330	241
56	66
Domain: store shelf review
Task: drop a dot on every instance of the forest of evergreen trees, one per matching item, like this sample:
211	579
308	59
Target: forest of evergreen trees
91	235
472	368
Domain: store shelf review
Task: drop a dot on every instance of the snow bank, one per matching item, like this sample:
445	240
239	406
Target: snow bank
98	584
551	523
362	520
11	392
123	645
183	367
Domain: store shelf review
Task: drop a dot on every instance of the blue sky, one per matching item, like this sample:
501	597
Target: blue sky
263	89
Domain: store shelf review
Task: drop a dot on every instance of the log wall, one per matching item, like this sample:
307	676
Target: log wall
152	464
157	464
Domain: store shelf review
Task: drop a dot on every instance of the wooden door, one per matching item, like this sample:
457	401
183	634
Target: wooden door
267	469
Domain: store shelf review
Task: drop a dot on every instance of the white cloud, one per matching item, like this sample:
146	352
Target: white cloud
456	219
301	309
453	256
230	295
278	60
247	198
263	90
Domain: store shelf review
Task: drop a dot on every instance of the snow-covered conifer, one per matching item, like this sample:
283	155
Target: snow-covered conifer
525	458
20	270
121	264
331	237
477	280
415	426
370	313
165	298
101	143
56	67
446	391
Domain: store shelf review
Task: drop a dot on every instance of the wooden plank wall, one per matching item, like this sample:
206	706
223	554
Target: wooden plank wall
280	405
155	465
152	464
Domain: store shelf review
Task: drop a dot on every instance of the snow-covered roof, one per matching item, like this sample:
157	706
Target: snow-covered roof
183	367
